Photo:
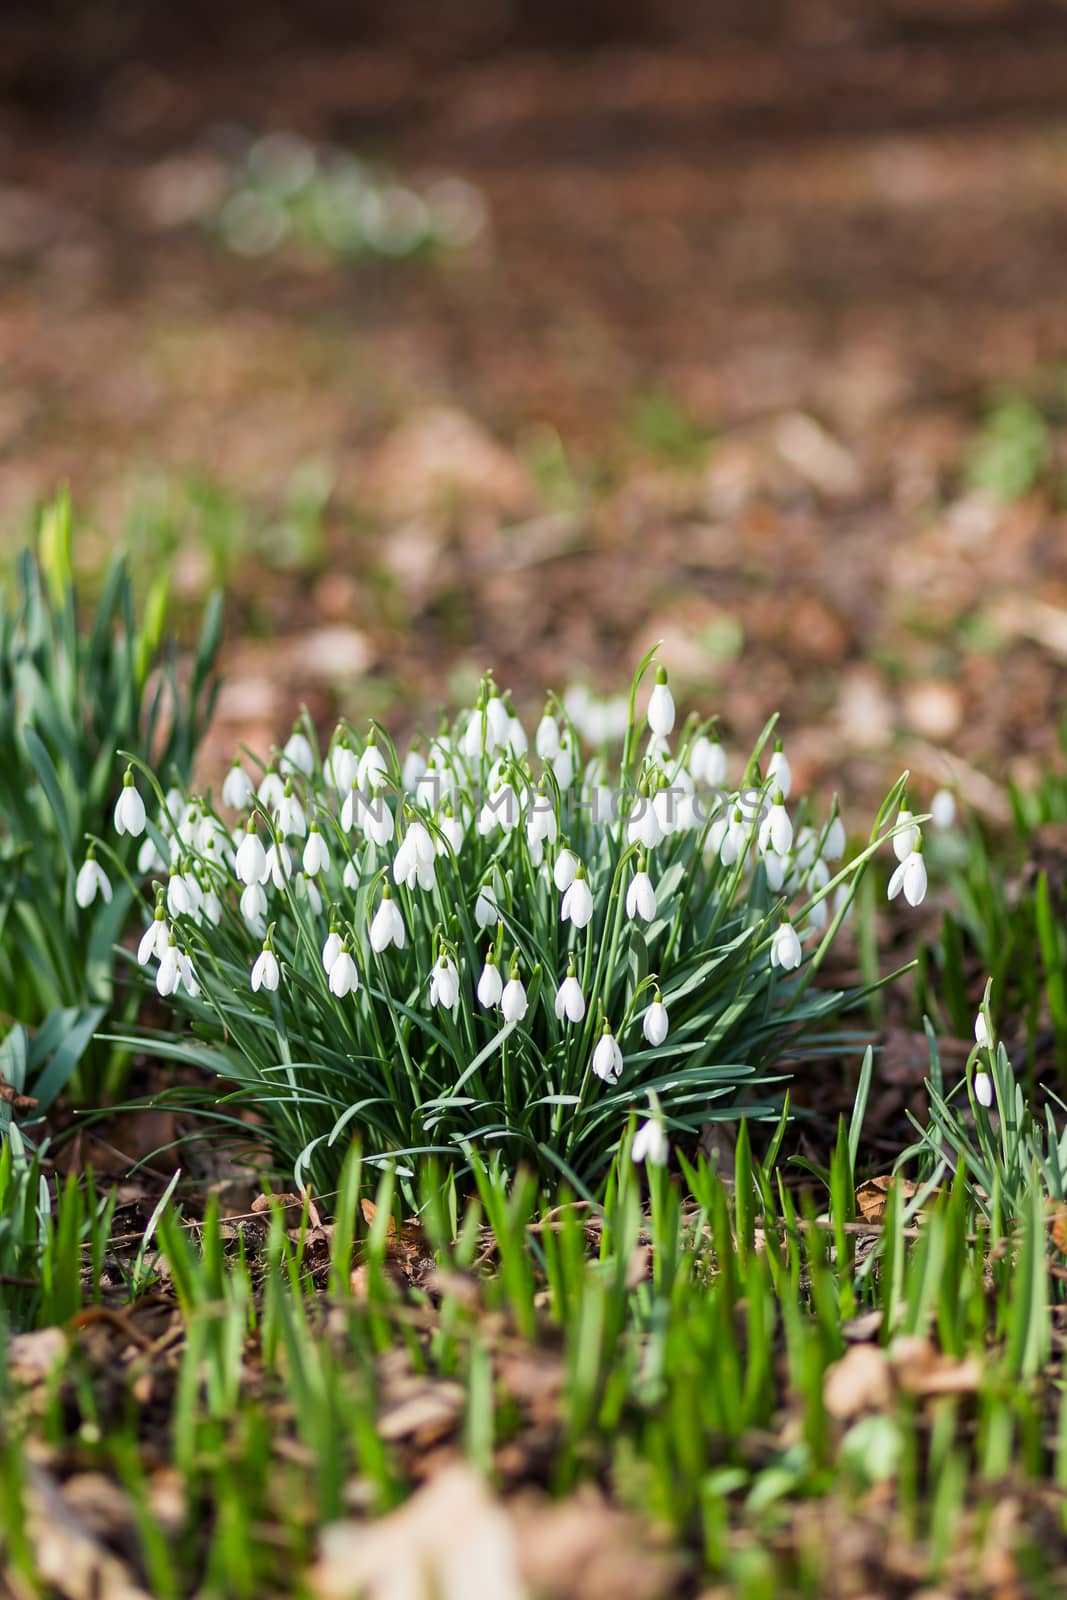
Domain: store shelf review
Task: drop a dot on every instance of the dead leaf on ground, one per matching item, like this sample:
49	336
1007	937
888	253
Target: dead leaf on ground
585	1549
69	1557
860	1381
873	1197
921	1369
31	1357
451	1540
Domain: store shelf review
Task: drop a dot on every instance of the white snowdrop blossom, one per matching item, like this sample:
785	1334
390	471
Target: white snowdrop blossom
154	940
387	926
563	761
452	832
316	857
734	839
415	858
785	948
513	1001
546	739
641	897
184	895
289	815
983	1089
331	950
279	864
490	984
776	829
907	839
379	824
774	866
148	857
342	767
371	771
211	907
251	860
577	904
644	828
187	975
498	720
486	910
570	1001
833	845
910	876
444	984
91	881
661	706
298	752
129	808
981	1032
271	791
565	869
607	1057
265	973
655	1023
253	905
943	809
237	788
169	971
541	825
343	977
650	1144
779	770
413	770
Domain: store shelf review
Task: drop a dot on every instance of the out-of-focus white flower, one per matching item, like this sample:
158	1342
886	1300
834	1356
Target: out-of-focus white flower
776	829
779	771
184	895
251	857
92	880
661	706
444	984
643	827
541	825
486	910
331	950
490	984
289	814
565	869
563	761
577	903
910	876
387	926
833	846
650	1144
414	860
516	740
785	948
279	864
148	857
237	788
187	975
298	752
271	791
371	771
169	971
774	866
607	1057
981	1031
907	839
211	907
378	822
546	739
983	1089
943	809
254	909
413	770
844	897
734	839
129	808
342	766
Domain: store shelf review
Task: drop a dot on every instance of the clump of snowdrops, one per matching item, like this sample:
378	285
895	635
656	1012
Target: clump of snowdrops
498	941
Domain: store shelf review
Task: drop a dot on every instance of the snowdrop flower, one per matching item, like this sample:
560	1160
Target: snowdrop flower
316	857
371	772
378	822
501	810
343	976
774	867
413	770
516	741
607	1057
387	926
715	764
187	975
641	897
566	869
271	791
910	876
661	706
254	909
452	832
563	761
279	864
734	839
655	1023
717	833
818	915
238	789
308	887
342	766
211	908
650	1144
907	839
352	808
414	860
444	983
833	845
486	910
148	857
570	1001
350	876
490	984
778	769
251	862
155	938
129	808
169	971
289	813
184	895
776	830
983	1089
698	758
546	739
981	1032
665	804
265	973
497	719
513	1001
541	826
298	752
643	826
845	900
577	905
943	809
91	881
331	950
785	948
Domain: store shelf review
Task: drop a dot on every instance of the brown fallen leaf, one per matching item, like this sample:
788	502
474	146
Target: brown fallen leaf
31	1357
872	1197
921	1369
1058	1226
69	1557
11	1096
583	1548
451	1540
860	1381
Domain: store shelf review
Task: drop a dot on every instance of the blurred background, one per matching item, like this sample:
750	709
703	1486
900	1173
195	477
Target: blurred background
485	333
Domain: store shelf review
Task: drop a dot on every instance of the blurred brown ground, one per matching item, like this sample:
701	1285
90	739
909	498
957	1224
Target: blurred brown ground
825	231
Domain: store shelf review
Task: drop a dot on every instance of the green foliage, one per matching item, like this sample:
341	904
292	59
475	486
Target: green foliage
411	1077
69	696
1012	450
665	429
